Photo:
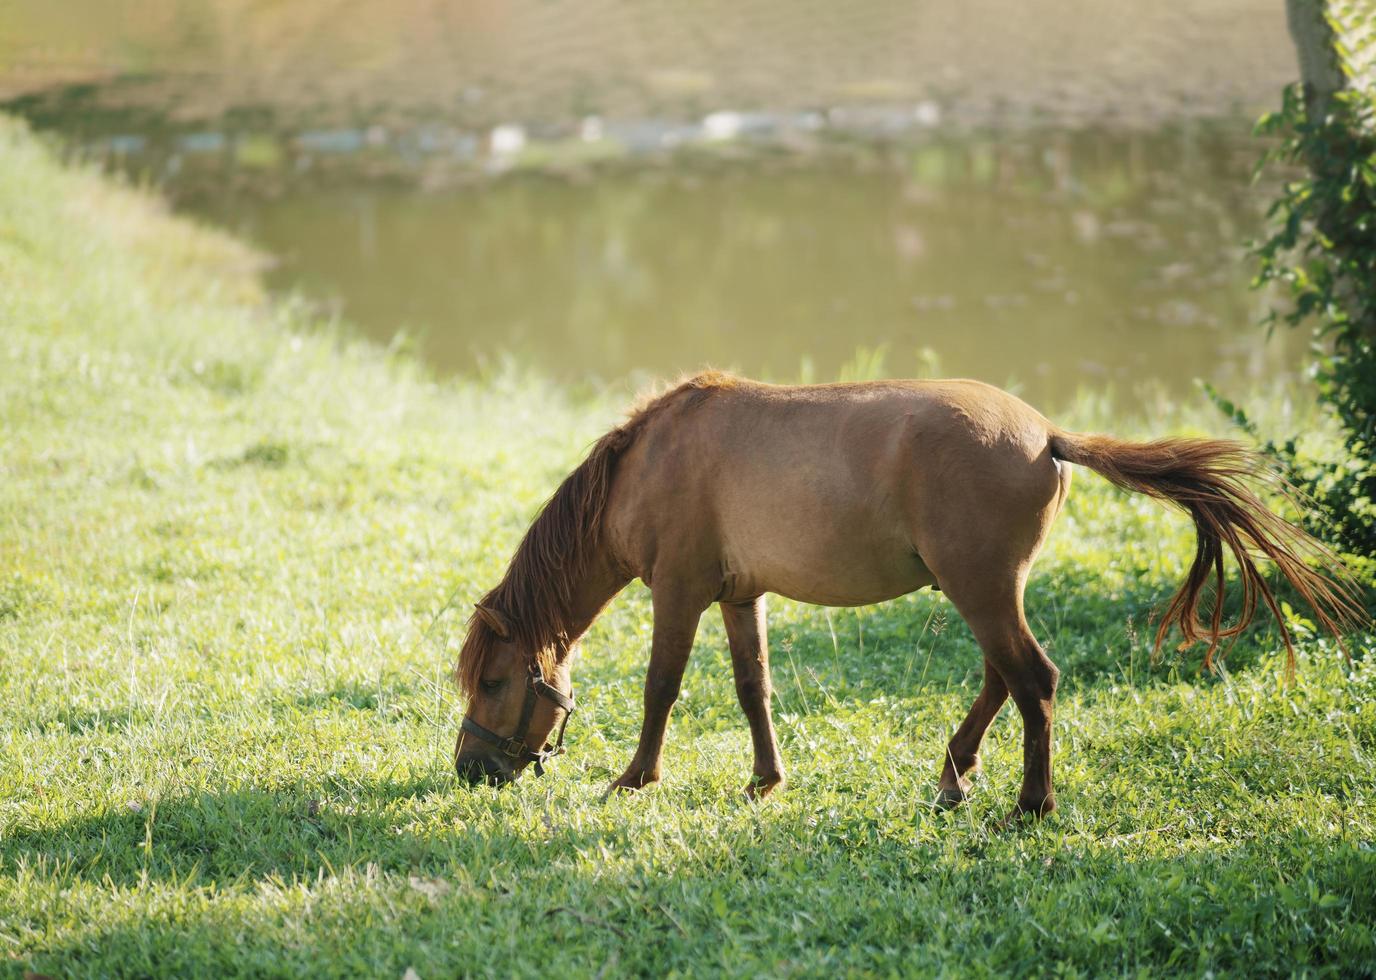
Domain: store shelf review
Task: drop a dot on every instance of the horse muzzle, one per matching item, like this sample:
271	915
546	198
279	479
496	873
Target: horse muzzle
480	769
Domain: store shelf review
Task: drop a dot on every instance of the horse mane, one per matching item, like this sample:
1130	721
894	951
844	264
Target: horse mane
536	594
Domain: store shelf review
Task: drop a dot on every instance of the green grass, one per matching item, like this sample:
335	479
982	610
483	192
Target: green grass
225	725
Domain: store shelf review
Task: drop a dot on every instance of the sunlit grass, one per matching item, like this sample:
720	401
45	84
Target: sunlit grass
226	533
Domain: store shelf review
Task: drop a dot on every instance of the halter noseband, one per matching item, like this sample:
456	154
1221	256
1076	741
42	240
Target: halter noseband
515	747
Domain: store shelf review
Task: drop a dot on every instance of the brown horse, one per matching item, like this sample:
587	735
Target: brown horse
723	489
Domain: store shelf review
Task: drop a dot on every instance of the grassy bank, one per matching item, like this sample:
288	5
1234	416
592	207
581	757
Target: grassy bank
225	724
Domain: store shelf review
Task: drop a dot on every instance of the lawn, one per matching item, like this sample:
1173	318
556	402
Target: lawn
229	540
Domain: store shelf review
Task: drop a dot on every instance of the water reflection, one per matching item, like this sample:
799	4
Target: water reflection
1050	259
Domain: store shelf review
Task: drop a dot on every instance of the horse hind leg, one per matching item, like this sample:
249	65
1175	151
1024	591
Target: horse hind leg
981	551
994	614
1031	678
962	752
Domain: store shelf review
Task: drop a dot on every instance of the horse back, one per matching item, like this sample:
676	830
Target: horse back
832	494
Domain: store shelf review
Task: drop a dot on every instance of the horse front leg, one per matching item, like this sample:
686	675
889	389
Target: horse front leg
676	624
746	633
962	754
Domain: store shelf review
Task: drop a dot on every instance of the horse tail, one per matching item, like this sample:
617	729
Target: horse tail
1208	478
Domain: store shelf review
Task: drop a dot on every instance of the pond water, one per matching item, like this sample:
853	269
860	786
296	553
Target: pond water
1051	202
1051	260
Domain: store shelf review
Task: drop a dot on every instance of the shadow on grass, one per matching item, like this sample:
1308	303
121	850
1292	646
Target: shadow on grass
241	833
87	720
496	901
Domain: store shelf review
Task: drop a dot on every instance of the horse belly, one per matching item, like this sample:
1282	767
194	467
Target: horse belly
839	563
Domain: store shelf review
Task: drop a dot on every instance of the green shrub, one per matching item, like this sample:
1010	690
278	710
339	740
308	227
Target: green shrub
1322	250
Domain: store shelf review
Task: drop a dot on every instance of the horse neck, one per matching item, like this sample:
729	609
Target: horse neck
596	587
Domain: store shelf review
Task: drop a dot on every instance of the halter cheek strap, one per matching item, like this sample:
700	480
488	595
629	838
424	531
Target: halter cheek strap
515	747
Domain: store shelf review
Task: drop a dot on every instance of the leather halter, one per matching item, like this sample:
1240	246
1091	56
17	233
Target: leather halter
515	747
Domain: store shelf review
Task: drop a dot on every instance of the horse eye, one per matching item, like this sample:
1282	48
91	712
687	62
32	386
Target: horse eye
491	686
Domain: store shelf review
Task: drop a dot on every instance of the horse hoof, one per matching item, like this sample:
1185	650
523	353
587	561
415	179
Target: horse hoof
949	799
1025	815
1014	820
759	787
630	784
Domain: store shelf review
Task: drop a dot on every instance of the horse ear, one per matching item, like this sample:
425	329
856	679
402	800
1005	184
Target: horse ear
495	621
